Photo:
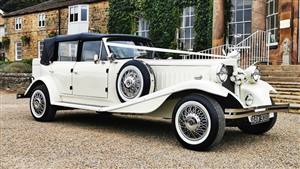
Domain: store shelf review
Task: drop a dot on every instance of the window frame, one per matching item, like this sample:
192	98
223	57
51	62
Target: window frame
39	48
233	22
77	9
18	23
102	46
18	57
143	27
41	20
192	34
76	54
275	28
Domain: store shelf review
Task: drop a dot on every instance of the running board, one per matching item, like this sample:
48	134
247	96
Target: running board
142	105
78	106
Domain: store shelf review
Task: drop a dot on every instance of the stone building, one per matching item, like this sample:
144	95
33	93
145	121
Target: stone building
280	18
27	28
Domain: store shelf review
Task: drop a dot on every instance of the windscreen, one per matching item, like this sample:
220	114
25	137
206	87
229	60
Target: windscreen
127	53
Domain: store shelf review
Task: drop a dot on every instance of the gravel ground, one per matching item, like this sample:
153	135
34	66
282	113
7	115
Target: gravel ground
82	139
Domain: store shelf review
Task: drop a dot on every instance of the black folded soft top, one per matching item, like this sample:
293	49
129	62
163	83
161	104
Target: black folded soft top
50	44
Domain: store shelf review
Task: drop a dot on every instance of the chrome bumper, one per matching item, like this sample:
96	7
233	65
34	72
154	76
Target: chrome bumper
242	113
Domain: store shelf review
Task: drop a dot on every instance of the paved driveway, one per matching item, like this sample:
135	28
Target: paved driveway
82	139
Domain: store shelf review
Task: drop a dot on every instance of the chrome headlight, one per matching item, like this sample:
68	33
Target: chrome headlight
222	73
249	99
253	74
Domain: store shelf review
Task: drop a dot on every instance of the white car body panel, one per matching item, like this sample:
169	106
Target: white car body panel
92	86
60	72
90	79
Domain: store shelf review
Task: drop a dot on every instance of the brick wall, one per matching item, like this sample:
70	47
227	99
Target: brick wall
98	22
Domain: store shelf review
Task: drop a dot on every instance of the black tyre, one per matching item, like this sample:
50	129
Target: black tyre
40	106
134	80
198	122
245	126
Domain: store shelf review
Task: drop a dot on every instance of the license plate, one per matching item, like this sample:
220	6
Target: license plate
257	119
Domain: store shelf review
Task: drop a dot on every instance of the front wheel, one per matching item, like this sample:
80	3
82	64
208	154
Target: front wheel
199	122
246	127
40	106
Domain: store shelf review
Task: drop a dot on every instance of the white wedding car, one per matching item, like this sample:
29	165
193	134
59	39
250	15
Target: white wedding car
125	74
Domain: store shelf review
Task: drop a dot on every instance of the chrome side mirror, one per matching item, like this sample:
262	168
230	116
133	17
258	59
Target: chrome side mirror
96	58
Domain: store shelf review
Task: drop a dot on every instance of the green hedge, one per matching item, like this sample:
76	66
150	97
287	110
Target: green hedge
16	67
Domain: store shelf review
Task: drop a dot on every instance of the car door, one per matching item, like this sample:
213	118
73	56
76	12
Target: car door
61	69
89	77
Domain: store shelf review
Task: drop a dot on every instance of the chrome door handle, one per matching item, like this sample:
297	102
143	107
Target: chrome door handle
51	71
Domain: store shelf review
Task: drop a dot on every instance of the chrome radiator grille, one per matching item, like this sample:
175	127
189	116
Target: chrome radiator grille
228	83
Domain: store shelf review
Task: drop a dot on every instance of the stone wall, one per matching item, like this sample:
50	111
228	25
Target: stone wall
15	81
1	20
98	17
98	23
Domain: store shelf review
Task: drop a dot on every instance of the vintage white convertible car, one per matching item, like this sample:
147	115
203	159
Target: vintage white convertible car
126	75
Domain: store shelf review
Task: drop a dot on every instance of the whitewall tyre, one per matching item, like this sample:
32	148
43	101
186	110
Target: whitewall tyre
199	122
40	106
134	80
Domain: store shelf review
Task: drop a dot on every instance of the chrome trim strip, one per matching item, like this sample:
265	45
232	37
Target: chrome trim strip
242	113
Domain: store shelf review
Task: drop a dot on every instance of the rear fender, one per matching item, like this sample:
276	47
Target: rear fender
52	90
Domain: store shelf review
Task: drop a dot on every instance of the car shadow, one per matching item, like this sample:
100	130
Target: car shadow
160	130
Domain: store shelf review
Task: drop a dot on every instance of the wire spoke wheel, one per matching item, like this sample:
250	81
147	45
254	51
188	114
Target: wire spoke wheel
38	103
130	83
193	122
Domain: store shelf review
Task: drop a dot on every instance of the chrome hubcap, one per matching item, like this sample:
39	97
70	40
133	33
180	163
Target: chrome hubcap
192	122
131	84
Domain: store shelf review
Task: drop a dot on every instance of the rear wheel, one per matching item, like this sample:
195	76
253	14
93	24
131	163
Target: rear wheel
40	106
199	122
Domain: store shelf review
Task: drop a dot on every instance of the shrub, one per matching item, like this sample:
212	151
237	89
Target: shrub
27	61
16	67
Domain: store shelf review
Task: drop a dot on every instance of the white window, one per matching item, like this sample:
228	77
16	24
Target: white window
84	13
78	13
143	29
240	24
18	51
41	19
40	48
187	33
272	20
67	51
18	23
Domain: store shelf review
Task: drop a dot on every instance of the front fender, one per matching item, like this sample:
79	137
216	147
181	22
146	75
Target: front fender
153	101
260	91
201	85
53	95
